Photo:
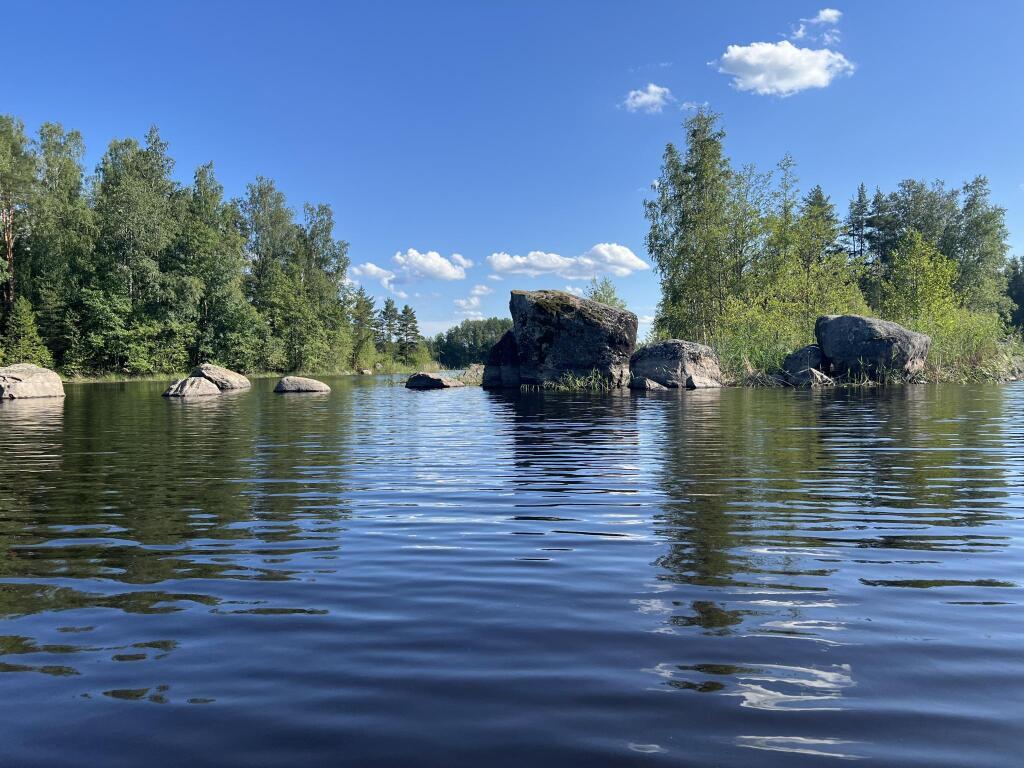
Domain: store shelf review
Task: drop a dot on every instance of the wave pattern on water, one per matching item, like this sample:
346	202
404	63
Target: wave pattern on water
381	576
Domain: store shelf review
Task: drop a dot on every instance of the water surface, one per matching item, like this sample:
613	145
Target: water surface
459	578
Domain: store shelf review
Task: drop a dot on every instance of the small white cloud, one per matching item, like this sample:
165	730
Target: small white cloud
432	265
481	290
781	68
495	278
831	37
371	271
825	16
603	258
471	302
651	99
693	105
799	33
575	290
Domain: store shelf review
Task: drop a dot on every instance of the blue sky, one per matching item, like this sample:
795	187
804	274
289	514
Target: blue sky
497	130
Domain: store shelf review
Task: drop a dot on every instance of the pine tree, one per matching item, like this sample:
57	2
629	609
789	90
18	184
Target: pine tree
363	321
23	343
856	225
408	334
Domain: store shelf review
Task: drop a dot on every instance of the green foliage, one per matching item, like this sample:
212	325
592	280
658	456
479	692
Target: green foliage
134	273
918	283
469	341
594	381
22	343
603	290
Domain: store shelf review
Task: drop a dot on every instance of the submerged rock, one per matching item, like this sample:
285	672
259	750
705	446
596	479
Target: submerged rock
365	372
645	385
558	334
25	380
501	369
677	364
192	386
877	348
801	366
222	377
424	380
294	384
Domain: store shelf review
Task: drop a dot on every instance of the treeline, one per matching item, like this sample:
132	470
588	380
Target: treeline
468	342
747	262
129	271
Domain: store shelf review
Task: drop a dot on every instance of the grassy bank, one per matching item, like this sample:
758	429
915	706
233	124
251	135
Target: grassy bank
387	370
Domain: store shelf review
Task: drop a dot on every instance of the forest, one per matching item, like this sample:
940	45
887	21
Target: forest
747	263
126	271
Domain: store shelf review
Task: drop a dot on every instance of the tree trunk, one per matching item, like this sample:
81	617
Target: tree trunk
7	291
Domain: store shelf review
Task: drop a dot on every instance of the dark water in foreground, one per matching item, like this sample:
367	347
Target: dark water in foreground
386	577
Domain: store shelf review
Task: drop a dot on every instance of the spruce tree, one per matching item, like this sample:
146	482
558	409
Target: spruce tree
22	343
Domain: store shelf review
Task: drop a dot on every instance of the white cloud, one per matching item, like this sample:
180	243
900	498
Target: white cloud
799	33
651	99
471	302
693	105
432	264
495	278
481	290
603	258
781	68
370	270
825	16
831	37
575	290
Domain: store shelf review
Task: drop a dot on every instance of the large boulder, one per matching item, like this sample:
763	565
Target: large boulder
559	334
473	376
192	386
25	380
222	377
501	368
801	366
855	345
291	384
423	380
677	365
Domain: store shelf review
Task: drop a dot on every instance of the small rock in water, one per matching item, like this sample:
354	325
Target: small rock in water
473	376
677	364
424	380
193	386
222	377
25	380
365	372
300	384
645	385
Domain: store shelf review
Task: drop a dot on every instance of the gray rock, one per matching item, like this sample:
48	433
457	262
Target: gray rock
24	380
290	384
645	385
868	346
423	380
501	369
193	386
677	364
473	376
557	333
222	377
365	372
798	366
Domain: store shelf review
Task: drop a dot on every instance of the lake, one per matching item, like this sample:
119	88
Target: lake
467	578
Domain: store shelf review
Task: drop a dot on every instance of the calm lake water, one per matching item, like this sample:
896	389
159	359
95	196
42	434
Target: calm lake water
465	578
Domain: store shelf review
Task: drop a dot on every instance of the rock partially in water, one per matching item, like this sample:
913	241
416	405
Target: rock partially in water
365	372
803	368
473	376
25	380
855	345
192	386
222	377
501	369
295	384
558	334
645	385
423	380
677	364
